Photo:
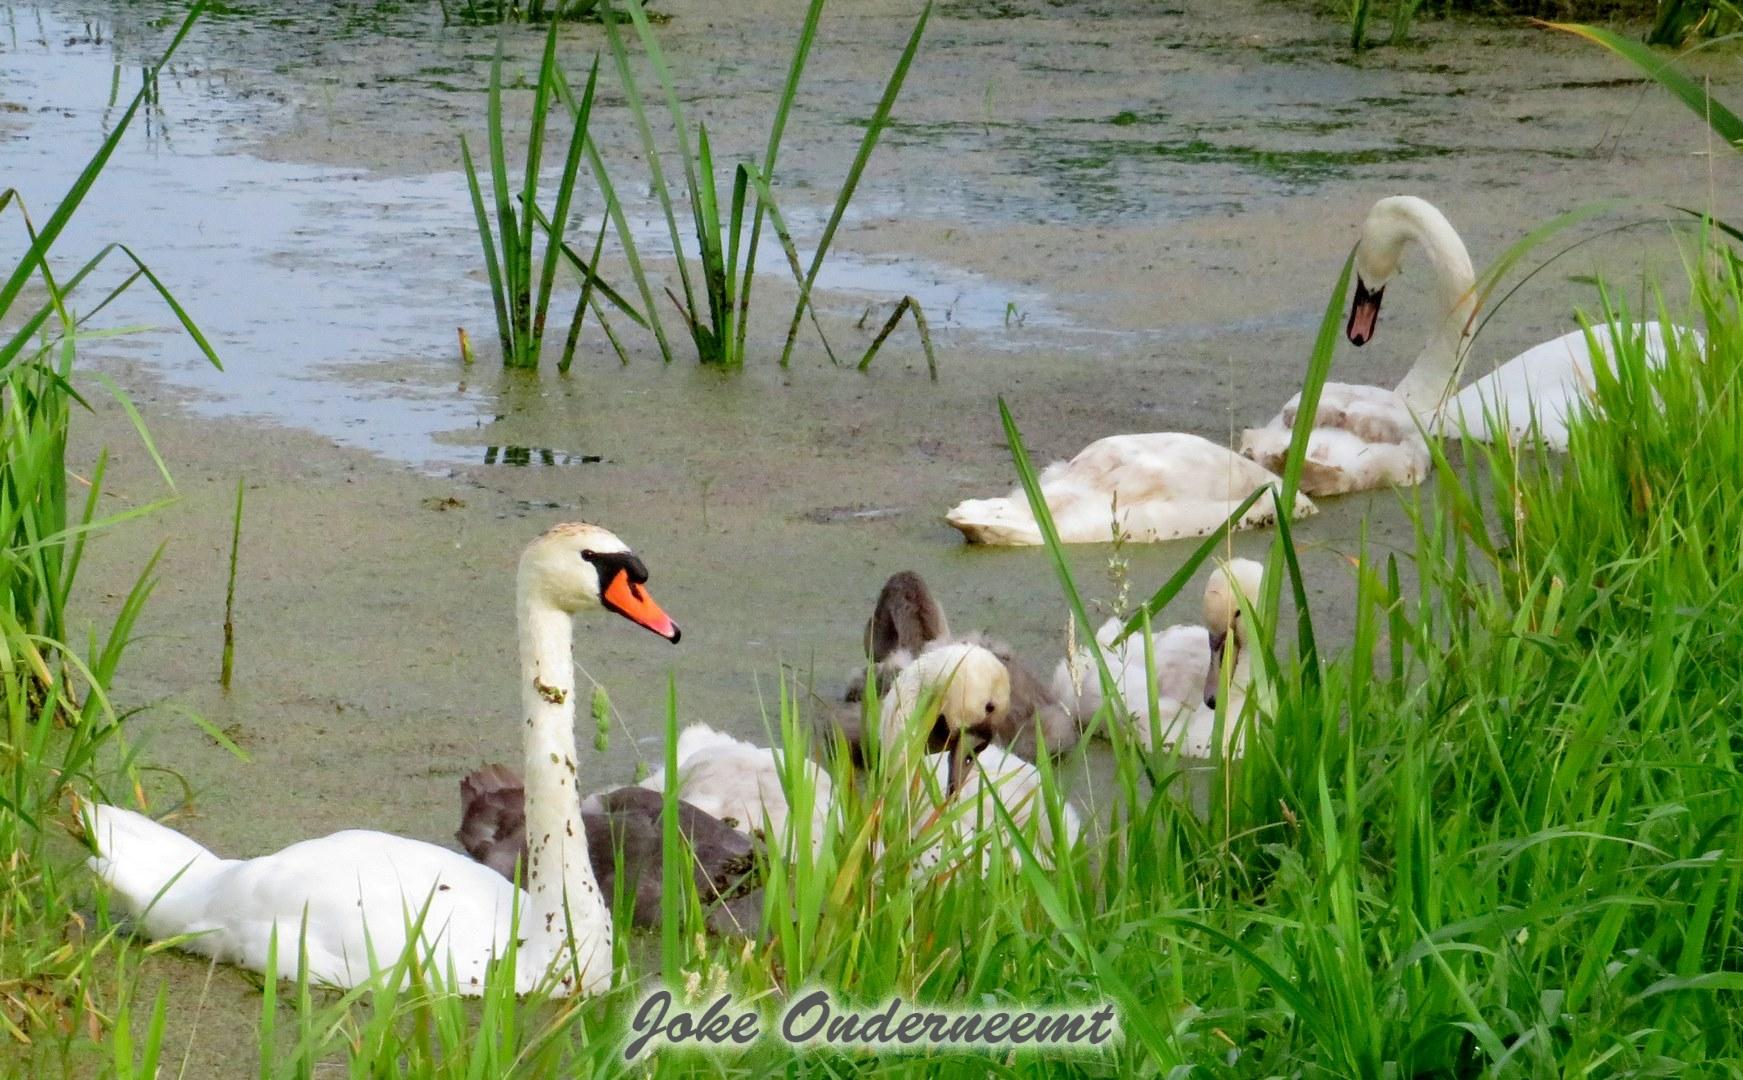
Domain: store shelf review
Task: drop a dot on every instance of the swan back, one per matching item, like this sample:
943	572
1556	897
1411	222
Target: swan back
1147	487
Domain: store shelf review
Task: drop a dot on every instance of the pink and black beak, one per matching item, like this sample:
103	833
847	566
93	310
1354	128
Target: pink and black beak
1214	678
1364	313
623	589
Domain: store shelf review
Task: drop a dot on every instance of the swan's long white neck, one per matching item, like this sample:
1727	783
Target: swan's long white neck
561	895
1434	377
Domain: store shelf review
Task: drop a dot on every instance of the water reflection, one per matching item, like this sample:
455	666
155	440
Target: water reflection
536	455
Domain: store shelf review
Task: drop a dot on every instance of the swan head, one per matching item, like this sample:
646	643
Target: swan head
1230	584
970	690
577	567
1391	224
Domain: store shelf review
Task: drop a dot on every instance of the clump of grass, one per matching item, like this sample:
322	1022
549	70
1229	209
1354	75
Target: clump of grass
1678	22
1360	12
716	286
1403	15
521	281
55	712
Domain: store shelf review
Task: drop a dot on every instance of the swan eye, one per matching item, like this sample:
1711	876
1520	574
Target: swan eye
588	554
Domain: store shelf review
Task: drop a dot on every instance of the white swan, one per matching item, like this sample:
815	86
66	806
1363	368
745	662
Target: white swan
741	784
951	797
350	896
1365	436
969	686
1187	662
1160	486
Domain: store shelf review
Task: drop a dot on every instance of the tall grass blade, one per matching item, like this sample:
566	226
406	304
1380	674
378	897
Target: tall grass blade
1725	123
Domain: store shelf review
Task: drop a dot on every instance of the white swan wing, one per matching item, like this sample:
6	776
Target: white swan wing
333	899
1546	382
361	891
1363	437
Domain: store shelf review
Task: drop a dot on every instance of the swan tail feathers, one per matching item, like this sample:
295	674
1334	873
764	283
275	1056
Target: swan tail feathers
154	869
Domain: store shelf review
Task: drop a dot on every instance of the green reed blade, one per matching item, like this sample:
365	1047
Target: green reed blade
508	232
879	119
1031	484
1151	608
492	267
783	106
706	201
656	171
582	304
1725	123
766	201
559	220
529	317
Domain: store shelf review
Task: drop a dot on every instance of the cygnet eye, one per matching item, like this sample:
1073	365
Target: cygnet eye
991	707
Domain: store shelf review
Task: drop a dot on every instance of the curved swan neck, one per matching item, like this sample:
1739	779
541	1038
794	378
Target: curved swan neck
560	894
1435	375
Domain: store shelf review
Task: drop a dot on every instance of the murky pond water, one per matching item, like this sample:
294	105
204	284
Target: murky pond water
1120	217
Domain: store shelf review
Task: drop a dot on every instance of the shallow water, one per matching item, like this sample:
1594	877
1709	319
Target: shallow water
1122	221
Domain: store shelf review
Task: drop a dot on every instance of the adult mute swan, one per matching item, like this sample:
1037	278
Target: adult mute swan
1159	486
351	895
1367	436
1187	662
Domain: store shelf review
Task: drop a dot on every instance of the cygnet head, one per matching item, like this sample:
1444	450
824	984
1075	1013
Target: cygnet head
1230	583
971	694
575	567
906	617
